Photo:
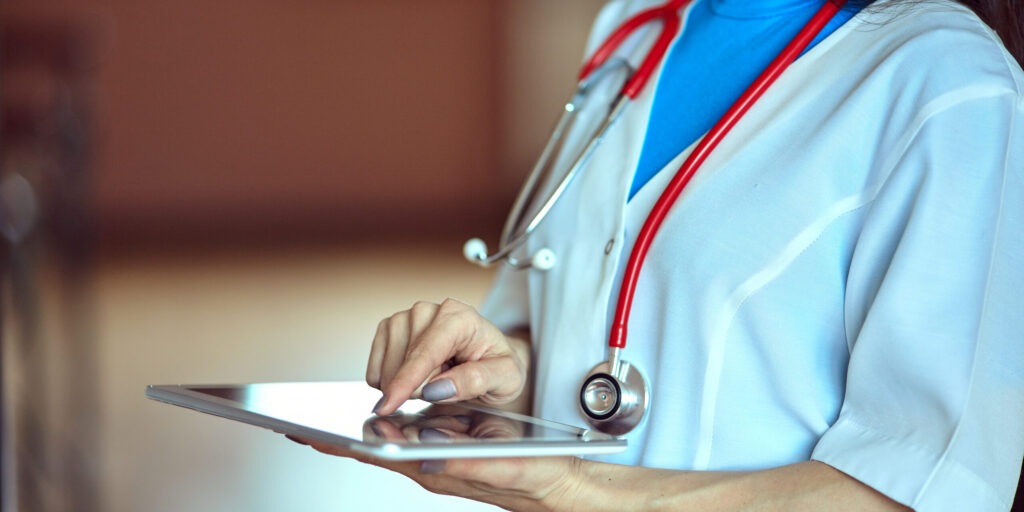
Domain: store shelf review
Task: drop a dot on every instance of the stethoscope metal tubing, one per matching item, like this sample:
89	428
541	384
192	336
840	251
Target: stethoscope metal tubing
572	107
614	360
531	181
512	241
580	162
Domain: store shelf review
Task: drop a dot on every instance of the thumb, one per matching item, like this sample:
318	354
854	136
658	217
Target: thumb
495	380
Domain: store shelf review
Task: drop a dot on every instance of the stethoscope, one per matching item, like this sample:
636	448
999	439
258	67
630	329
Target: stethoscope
615	396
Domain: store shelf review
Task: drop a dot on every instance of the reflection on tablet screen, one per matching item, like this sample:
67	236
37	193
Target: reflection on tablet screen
343	409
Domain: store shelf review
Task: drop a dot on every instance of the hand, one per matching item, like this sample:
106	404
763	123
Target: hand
444	352
532	483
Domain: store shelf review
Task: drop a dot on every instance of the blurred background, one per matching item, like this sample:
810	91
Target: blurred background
233	191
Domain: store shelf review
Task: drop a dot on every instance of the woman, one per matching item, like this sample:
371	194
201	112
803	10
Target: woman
830	316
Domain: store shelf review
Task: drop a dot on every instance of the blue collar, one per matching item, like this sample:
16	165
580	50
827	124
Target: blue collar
759	8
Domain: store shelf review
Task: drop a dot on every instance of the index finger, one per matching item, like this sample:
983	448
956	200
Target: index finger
436	346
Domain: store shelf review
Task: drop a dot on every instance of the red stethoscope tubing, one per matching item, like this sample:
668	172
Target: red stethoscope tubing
668	14
617	337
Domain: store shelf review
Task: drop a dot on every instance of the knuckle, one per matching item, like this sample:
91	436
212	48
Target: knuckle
421	307
459	315
382	327
451	305
422	313
476	378
395	325
395	318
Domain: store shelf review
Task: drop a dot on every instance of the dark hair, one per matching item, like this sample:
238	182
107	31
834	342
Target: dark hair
1006	17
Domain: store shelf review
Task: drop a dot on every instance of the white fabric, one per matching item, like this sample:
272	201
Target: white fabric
841	281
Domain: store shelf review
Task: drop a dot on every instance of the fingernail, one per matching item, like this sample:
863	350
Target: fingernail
439	390
376	431
433	467
466	420
433	434
379	403
295	439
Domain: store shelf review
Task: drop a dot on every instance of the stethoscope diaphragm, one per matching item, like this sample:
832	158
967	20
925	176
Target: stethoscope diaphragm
614	400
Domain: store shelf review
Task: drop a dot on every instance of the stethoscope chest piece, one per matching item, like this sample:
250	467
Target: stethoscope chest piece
614	402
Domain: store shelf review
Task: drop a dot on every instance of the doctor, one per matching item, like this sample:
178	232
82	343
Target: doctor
830	315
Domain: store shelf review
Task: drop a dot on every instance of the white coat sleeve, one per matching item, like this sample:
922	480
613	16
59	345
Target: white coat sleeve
933	414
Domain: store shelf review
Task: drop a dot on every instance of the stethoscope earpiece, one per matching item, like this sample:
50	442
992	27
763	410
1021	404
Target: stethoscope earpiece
475	250
543	259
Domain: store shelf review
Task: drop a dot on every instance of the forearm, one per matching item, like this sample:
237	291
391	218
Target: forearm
804	486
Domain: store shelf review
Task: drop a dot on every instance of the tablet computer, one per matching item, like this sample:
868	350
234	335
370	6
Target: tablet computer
338	413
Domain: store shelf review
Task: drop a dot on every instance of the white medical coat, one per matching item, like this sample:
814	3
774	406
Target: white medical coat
843	280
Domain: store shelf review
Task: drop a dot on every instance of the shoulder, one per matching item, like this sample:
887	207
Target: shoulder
934	47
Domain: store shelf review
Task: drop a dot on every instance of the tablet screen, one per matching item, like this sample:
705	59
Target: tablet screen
340	413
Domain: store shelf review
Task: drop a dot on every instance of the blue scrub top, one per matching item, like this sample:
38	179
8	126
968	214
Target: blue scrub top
726	44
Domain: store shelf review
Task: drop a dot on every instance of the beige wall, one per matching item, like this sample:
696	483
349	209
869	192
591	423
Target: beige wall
542	47
278	122
319	118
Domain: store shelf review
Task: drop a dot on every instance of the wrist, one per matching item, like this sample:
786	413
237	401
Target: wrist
568	492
